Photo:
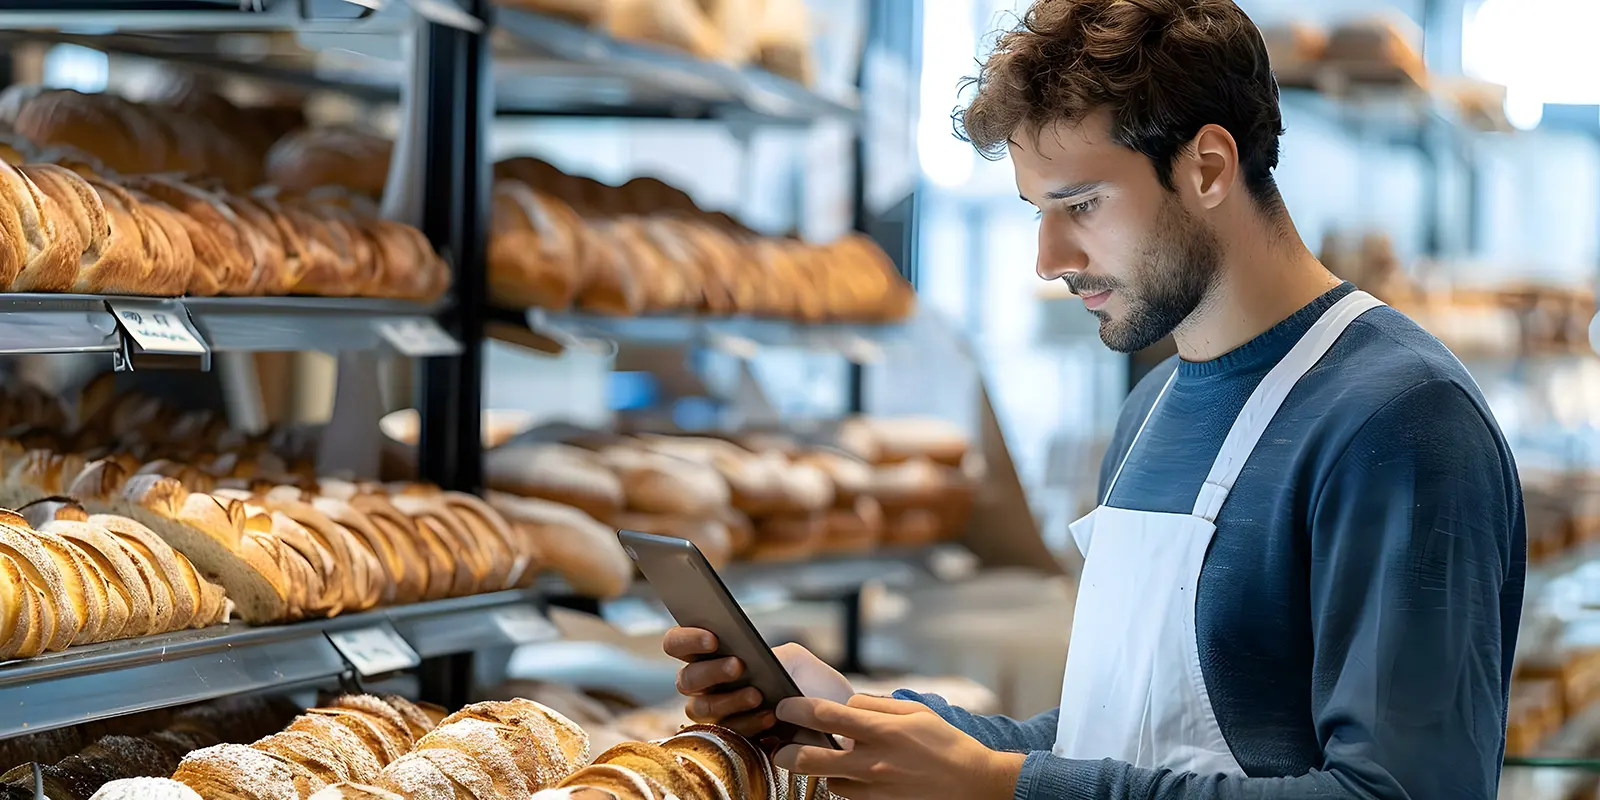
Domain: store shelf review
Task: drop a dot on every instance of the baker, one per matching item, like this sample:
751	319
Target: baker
1305	574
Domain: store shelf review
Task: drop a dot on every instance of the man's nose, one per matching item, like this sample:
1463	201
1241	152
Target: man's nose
1059	256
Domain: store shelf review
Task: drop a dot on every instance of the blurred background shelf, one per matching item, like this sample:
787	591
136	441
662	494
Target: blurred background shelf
546	65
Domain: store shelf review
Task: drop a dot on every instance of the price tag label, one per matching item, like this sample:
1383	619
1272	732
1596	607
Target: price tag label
525	625
418	337
635	617
375	650
158	328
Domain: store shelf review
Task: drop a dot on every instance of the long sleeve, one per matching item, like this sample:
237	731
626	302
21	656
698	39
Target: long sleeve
1415	568
996	733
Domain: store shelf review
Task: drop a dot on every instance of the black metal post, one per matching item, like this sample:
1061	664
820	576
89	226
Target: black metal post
459	110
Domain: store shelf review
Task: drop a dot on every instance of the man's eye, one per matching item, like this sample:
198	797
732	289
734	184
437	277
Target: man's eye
1084	207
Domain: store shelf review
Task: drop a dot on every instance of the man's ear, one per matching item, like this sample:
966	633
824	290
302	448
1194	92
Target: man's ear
1209	166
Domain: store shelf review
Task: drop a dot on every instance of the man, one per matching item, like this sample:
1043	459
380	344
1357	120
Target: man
1305	577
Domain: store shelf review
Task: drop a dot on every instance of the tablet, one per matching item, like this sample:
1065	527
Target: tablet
697	598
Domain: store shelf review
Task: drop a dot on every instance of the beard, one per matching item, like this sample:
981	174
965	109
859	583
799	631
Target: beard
1176	269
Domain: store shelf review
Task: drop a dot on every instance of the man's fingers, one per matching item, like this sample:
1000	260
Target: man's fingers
714	708
827	716
750	724
688	643
704	676
817	762
887	705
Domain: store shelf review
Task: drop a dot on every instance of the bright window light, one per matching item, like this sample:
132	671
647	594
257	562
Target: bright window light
948	48
69	66
1524	112
1541	50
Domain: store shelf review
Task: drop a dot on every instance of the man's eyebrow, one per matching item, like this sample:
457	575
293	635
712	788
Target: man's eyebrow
1073	190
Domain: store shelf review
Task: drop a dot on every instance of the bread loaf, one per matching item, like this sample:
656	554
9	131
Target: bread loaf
583	551
356	791
788	538
655	483
211	535
853	530
146	789
654	762
535	249
316	157
428	568
42	244
558	473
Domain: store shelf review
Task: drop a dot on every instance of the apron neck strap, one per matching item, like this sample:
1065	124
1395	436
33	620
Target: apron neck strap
1268	397
1136	435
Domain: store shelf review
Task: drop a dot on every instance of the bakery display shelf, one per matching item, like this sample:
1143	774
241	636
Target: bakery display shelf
743	336
583	71
100	681
309	16
70	323
265	324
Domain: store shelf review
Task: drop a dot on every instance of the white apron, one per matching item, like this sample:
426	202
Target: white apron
1133	690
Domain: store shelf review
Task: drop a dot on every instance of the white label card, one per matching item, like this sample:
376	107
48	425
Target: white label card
157	328
525	625
418	337
635	617
375	650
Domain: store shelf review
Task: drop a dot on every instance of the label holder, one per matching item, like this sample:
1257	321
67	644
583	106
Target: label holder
418	337
157	334
374	650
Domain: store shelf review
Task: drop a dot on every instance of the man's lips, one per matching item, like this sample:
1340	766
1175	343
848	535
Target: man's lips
1095	300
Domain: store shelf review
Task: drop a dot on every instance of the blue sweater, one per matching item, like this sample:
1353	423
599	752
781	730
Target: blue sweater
1357	610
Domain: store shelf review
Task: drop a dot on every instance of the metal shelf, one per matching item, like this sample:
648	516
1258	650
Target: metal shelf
585	72
741	336
69	323
306	16
100	681
265	324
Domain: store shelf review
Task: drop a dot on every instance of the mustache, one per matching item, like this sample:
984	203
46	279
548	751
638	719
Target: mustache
1084	285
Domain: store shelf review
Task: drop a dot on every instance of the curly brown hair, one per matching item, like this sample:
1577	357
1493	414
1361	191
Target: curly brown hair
1163	68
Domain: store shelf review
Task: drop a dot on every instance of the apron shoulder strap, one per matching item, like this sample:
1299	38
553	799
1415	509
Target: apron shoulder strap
1268	397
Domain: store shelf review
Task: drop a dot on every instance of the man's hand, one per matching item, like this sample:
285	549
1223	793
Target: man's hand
700	681
897	750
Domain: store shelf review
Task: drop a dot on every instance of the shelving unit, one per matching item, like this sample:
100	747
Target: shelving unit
452	65
92	682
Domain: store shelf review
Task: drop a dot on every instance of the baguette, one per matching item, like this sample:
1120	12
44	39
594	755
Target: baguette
428	568
42	245
58	585
388	571
210	534
440	528
20	635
